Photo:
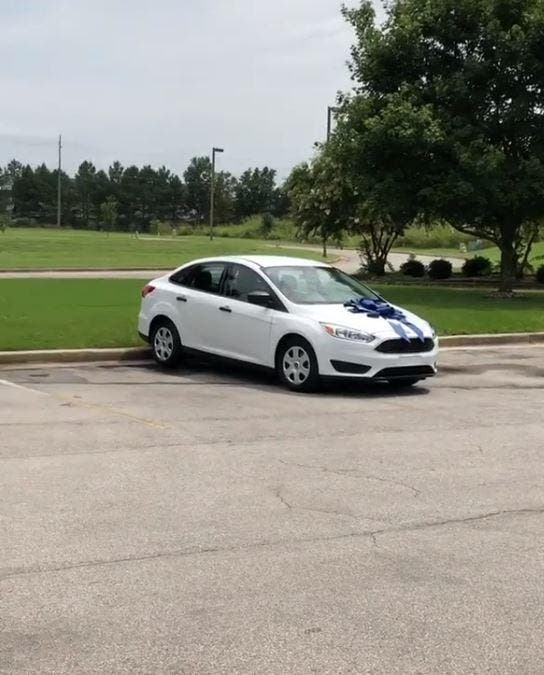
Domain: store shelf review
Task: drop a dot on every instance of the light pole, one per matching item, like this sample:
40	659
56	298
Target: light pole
59	188
212	189
330	111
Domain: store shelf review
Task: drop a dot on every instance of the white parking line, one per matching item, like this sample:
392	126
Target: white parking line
7	383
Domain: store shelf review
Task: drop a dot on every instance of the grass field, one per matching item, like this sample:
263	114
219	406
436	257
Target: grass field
57	249
75	313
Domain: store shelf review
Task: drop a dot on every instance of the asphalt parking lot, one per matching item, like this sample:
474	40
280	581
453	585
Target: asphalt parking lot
206	521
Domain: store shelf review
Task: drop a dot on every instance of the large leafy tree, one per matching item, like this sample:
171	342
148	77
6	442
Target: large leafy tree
470	73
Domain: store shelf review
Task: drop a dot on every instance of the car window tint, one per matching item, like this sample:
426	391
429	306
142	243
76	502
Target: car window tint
207	277
241	281
183	277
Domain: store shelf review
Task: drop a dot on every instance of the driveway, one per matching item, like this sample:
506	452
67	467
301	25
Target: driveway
207	521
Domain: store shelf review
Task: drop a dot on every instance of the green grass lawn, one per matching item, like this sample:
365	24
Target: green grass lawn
75	313
56	249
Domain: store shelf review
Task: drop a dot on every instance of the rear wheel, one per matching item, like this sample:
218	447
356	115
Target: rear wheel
166	344
296	365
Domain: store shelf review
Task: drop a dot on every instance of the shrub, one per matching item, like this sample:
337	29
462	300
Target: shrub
413	268
24	222
440	269
477	267
540	274
186	230
267	224
5	222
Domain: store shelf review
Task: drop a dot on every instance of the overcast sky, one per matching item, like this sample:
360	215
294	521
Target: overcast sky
159	81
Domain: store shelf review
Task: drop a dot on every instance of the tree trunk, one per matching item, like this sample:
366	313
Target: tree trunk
508	267
379	266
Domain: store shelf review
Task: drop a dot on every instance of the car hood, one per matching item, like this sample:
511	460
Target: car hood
341	316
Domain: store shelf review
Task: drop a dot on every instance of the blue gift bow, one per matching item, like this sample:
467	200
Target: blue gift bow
376	309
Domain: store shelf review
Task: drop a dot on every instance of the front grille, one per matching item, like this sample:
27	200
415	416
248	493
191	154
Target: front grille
405	371
400	346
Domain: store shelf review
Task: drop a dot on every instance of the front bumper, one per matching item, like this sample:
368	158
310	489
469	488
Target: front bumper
338	358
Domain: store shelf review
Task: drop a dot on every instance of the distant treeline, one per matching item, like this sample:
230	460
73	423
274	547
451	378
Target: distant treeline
137	196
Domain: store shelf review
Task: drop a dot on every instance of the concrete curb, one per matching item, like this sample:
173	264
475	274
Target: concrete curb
490	340
75	355
143	353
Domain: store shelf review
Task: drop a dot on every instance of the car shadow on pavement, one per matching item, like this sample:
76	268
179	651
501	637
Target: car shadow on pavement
203	372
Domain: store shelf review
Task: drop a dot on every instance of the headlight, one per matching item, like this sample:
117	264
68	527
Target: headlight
343	333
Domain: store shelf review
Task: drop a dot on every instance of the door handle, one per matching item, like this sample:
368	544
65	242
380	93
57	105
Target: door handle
225	309
181	298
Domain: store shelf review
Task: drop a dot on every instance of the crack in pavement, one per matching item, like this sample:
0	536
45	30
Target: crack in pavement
368	534
313	509
345	472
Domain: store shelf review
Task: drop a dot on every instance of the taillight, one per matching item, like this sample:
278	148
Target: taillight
146	290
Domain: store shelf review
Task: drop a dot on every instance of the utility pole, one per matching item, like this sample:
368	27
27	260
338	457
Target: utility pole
59	189
212	189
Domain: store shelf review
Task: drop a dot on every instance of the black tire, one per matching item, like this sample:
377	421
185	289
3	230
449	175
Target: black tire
303	376
404	384
166	344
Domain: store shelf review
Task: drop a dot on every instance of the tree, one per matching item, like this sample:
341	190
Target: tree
224	191
256	192
109	214
471	74
322	201
398	137
197	179
129	186
176	198
85	184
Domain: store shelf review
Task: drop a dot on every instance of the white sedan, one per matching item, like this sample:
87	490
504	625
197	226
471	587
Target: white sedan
304	319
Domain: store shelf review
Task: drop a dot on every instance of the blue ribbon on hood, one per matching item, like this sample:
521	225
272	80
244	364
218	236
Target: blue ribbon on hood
376	309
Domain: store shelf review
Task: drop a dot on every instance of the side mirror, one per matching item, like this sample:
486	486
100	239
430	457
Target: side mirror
260	298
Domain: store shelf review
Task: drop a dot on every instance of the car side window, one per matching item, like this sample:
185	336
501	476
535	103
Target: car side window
182	278
241	281
205	277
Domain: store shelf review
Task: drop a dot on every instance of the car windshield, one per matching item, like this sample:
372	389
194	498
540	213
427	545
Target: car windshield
317	285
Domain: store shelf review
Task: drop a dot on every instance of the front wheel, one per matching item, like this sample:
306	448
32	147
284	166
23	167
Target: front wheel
166	344
296	365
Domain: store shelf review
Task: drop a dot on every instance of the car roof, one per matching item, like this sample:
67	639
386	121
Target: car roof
264	260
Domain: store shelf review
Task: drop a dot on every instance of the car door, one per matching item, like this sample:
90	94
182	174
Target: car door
200	306
246	328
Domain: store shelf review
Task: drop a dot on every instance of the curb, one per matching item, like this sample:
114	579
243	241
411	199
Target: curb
143	353
75	355
455	341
